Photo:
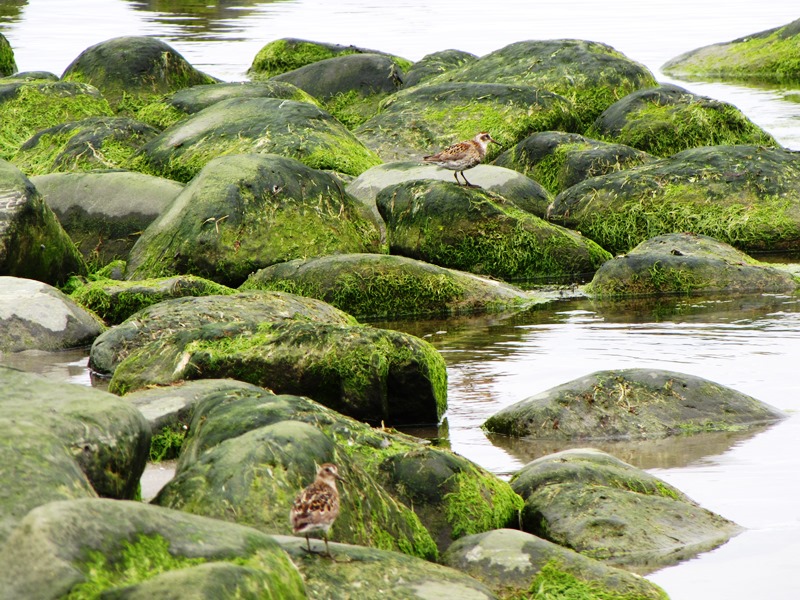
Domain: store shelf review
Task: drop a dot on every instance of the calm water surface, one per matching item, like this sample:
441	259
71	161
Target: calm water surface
751	344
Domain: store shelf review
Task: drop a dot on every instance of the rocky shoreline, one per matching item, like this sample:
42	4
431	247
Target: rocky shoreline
222	245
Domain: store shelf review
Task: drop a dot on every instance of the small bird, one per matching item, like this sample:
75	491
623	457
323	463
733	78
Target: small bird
462	156
317	506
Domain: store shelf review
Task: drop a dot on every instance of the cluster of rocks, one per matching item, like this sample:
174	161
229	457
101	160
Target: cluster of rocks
218	242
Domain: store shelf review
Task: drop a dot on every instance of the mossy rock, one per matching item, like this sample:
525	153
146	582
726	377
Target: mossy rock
631	404
668	119
165	112
604	508
360	573
8	65
114	301
191	313
745	196
93	548
96	211
590	75
371	374
559	160
682	263
33	244
246	212
253	478
515	564
768	57
450	495
29	107
425	119
523	191
480	232
255	125
36	316
85	145
434	64
133	70
29	76
383	286
105	435
288	54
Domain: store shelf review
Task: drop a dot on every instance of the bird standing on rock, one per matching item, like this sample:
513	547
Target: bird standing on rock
462	156
317	506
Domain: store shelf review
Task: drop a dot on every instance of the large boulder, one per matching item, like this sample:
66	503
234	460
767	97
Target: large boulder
631	403
132	69
511	561
85	145
434	64
766	57
96	211
65	441
27	107
606	509
745	196
37	316
480	232
665	120
93	548
8	65
592	76
685	263
249	308
559	160
424	119
114	301
32	242
245	212
380	285
259	125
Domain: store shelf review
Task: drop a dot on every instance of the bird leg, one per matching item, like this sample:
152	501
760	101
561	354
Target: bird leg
327	550
455	174
465	180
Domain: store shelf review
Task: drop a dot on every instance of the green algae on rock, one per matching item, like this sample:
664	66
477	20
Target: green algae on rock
745	196
422	119
88	548
133	69
246	212
8	65
385	286
33	244
668	119
255	125
681	263
590	75
631	404
434	64
480	232
606	509
768	57
559	160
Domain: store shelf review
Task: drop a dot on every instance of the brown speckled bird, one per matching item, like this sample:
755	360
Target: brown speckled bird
462	156
317	506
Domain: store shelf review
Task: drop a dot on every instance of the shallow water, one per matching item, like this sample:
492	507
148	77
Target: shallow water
751	344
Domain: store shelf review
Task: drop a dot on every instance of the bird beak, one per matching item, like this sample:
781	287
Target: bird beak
491	139
340	478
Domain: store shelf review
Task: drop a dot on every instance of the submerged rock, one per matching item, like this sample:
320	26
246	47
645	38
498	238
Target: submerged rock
597	505
36	316
379	285
292	129
89	548
515	562
559	160
96	211
766	57
32	242
668	119
133	67
631	403
477	231
685	263
745	196
246	212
